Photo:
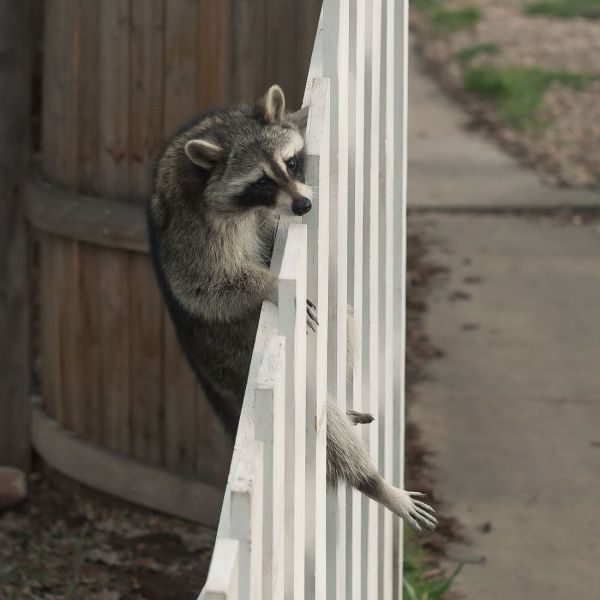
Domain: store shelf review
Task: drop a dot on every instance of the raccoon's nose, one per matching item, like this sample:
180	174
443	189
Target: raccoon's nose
301	206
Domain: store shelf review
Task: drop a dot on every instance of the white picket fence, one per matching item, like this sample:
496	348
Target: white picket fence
282	534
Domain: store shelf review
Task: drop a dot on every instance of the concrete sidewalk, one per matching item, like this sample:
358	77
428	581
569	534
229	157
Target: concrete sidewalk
450	168
512	411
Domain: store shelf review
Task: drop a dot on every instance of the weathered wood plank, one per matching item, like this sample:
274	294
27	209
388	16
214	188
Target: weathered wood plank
85	218
59	131
181	72
15	82
113	160
92	404
179	404
147	54
120	476
71	337
214	53
115	352
50	331
86	82
114	182
147	405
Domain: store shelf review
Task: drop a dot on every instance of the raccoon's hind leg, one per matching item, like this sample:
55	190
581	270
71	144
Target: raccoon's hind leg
347	459
358	418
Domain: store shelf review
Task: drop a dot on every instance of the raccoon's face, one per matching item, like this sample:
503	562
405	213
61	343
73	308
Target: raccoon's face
255	159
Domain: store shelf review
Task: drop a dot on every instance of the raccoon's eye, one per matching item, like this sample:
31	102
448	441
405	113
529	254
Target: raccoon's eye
261	183
292	164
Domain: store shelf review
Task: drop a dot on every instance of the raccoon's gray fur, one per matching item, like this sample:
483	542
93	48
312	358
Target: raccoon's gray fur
220	187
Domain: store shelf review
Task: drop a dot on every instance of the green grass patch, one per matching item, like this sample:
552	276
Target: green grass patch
449	21
417	583
589	9
466	55
426	5
517	92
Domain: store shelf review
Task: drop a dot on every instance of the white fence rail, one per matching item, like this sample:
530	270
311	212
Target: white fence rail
281	533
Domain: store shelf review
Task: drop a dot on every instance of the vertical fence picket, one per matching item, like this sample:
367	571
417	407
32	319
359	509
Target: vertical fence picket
315	70
371	265
388	447
223	582
358	77
400	34
292	325
335	67
270	428
317	220
246	520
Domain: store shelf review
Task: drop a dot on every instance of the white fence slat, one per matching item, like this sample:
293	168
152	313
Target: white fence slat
292	325
372	264
267	328
222	581
386	233
356	97
388	447
317	220
270	430
246	519
315	69
335	67
400	173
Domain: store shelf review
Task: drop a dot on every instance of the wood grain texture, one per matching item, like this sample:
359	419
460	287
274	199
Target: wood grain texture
214	53
15	74
115	474
119	77
85	217
113	181
147	316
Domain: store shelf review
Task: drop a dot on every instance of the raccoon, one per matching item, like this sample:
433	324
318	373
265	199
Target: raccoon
221	185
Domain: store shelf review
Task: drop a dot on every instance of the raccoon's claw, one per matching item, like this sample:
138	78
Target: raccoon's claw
359	418
417	514
311	315
420	515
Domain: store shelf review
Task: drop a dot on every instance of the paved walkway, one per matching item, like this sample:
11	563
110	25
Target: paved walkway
512	411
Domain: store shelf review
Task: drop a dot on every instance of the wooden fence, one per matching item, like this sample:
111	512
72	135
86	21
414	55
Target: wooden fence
281	534
120	408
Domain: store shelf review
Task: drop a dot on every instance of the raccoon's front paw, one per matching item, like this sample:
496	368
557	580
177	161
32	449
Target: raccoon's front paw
311	315
417	514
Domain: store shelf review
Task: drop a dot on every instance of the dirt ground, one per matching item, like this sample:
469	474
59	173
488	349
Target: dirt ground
61	545
565	150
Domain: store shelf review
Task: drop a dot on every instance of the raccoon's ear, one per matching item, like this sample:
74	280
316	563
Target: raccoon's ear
299	118
203	153
273	105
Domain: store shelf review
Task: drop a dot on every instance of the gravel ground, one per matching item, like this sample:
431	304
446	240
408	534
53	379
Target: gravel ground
565	152
60	545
